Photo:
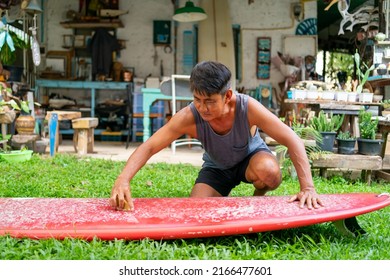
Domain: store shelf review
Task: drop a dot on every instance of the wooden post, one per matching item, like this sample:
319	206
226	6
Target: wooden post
53	132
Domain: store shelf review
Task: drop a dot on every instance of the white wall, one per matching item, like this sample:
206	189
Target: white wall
262	18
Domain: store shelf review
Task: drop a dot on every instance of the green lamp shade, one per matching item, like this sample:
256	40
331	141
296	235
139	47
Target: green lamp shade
189	13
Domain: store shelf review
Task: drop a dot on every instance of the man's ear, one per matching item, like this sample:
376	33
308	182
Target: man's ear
228	95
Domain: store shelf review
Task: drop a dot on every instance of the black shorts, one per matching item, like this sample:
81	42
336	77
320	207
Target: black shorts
223	181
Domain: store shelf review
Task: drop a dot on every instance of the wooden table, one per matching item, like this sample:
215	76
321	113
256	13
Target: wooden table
91	86
349	109
333	106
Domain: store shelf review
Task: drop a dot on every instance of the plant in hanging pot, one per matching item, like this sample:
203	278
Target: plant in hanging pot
10	41
367	142
345	143
328	127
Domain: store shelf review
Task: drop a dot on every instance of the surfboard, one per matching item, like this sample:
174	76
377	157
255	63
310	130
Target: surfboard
215	37
171	218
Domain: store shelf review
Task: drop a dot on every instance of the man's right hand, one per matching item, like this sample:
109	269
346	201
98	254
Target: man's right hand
121	196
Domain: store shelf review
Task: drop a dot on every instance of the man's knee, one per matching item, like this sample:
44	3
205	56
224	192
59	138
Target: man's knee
266	169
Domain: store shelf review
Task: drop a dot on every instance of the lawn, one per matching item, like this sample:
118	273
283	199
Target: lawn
69	176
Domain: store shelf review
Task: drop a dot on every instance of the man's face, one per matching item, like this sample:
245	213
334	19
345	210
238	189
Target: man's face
209	107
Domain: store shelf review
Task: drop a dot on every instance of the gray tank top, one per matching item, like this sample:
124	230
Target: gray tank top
225	151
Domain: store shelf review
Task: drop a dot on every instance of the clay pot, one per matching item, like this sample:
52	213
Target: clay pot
25	124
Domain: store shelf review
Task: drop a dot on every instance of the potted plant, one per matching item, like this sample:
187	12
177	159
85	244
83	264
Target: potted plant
307	133
364	95
385	104
386	107
25	123
345	143
328	127
367	142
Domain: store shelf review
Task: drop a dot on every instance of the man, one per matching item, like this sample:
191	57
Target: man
226	124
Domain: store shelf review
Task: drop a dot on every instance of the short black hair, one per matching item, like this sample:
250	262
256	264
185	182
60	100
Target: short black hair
210	77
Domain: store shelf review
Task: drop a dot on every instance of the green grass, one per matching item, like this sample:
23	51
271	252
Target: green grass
68	176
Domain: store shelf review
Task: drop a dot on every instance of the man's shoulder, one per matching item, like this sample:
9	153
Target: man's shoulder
185	114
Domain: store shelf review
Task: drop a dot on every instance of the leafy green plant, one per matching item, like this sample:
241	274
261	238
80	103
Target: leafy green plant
385	103
7	51
13	102
367	126
305	133
6	93
322	123
362	77
7	104
345	135
22	106
340	62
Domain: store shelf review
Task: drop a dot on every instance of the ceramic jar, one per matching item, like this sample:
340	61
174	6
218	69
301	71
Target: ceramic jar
25	124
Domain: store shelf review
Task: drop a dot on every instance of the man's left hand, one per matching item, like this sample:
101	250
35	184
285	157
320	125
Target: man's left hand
309	197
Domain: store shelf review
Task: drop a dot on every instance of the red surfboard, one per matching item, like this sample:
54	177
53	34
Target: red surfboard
171	218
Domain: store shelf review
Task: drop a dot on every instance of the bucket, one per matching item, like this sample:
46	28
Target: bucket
17	156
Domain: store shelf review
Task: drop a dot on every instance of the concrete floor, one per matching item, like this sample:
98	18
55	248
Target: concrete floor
117	151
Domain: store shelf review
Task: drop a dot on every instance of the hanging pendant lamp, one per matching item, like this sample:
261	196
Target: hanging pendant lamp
189	13
31	6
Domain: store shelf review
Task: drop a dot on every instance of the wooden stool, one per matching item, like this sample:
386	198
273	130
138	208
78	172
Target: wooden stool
54	117
83	137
